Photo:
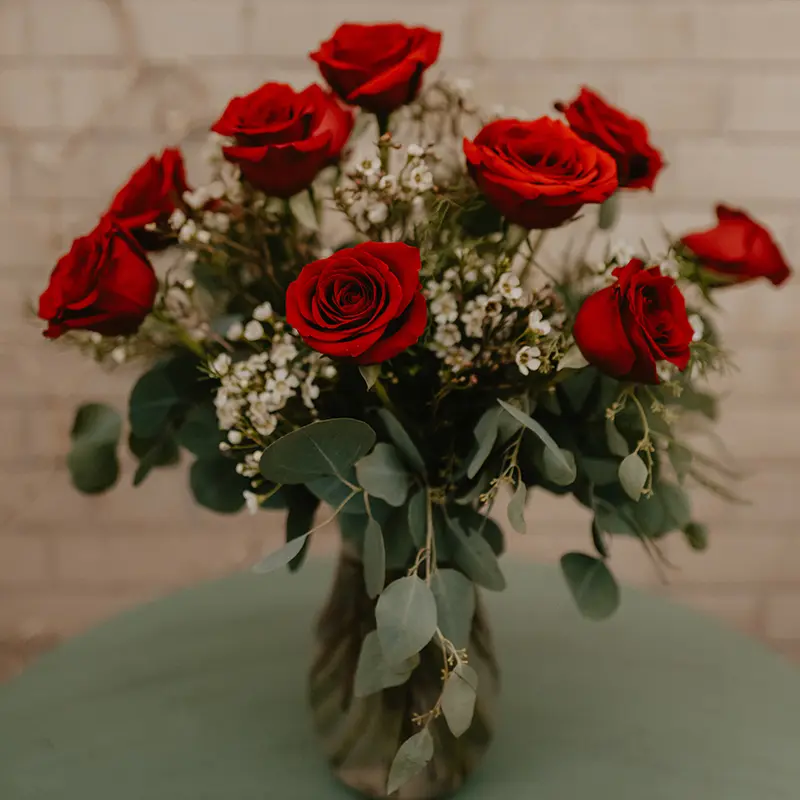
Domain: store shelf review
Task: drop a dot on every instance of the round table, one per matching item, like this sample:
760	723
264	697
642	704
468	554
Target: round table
201	696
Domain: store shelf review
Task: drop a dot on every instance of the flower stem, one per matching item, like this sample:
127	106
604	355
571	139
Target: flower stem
534	251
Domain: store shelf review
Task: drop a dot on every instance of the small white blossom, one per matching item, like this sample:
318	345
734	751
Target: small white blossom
416	151
420	179
216	190
460	358
235	437
488	271
370	166
622	252
176	219
670	268
447	335
444	309
527	359
309	391
329	371
263	312
235	331
187	231
470	276
538	324
698	327
190	257
378	213
221	364
388	184
462	86
224	447
119	355
196	199
204	237
508	287
665	371
283	351
252	501
253	331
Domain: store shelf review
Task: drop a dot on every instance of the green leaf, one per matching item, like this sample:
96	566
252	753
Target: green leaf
373	673
458	698
402	441
302	207
681	459
615	440
92	459
516	509
608	519
370	374
477	559
281	557
162	451
383	475
199	433
598	541
558	461
600	471
559	467
485	435
406	618
573	359
418	517
299	521
332	491
608	213
152	401
696	535
374	559
320	449
217	486
471	495
455	605
633	475
578	387
676	504
592	585
412	757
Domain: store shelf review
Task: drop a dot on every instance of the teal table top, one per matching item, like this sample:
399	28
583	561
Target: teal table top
201	696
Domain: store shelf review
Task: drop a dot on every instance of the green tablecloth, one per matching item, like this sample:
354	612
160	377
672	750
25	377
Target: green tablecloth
201	696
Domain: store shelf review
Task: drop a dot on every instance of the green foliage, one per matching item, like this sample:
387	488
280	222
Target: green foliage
216	485
300	517
382	474
402	441
516	508
696	535
406	617
455	605
374	673
370	374
317	450
333	491
633	475
160	451
374	558
199	432
417	517
412	757
475	556
485	436
458	698
592	585
92	459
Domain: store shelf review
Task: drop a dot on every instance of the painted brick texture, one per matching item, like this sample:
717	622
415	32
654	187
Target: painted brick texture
89	87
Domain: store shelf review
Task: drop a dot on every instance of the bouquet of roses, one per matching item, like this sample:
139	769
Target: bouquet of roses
353	311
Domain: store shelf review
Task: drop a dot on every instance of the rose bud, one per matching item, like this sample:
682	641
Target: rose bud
364	302
626	329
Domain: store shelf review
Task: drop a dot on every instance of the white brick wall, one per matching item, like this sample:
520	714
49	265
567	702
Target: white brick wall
87	89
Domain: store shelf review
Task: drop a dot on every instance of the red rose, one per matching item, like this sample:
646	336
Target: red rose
364	302
104	284
284	138
538	174
627	328
738	249
623	137
151	194
377	67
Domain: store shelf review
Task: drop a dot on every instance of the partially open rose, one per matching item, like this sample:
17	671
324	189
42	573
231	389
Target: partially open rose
623	137
151	194
737	250
627	328
283	138
104	283
364	302
378	67
538	174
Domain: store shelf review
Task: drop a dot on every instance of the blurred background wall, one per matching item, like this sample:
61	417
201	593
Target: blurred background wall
88	88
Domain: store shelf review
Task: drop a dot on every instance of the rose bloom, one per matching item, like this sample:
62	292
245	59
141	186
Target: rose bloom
364	302
538	174
621	136
377	67
151	194
284	138
737	250
627	328
104	283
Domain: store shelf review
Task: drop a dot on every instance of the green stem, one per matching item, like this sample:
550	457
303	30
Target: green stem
383	145
534	251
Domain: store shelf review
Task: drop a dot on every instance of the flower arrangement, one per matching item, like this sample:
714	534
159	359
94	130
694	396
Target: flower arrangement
353	311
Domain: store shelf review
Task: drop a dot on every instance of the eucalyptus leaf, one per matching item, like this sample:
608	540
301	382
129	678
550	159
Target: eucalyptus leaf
373	673
598	541
402	441
516	509
696	535
559	466
153	399
92	459
455	605
615	440
485	435
681	459
162	451
633	474
593	587
573	359
600	471
334	492
281	557
382	474
370	374
216	485
374	558
199	433
418	517
477	559
412	757
320	449
676	504
458	698
302	207
299	521
406	617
